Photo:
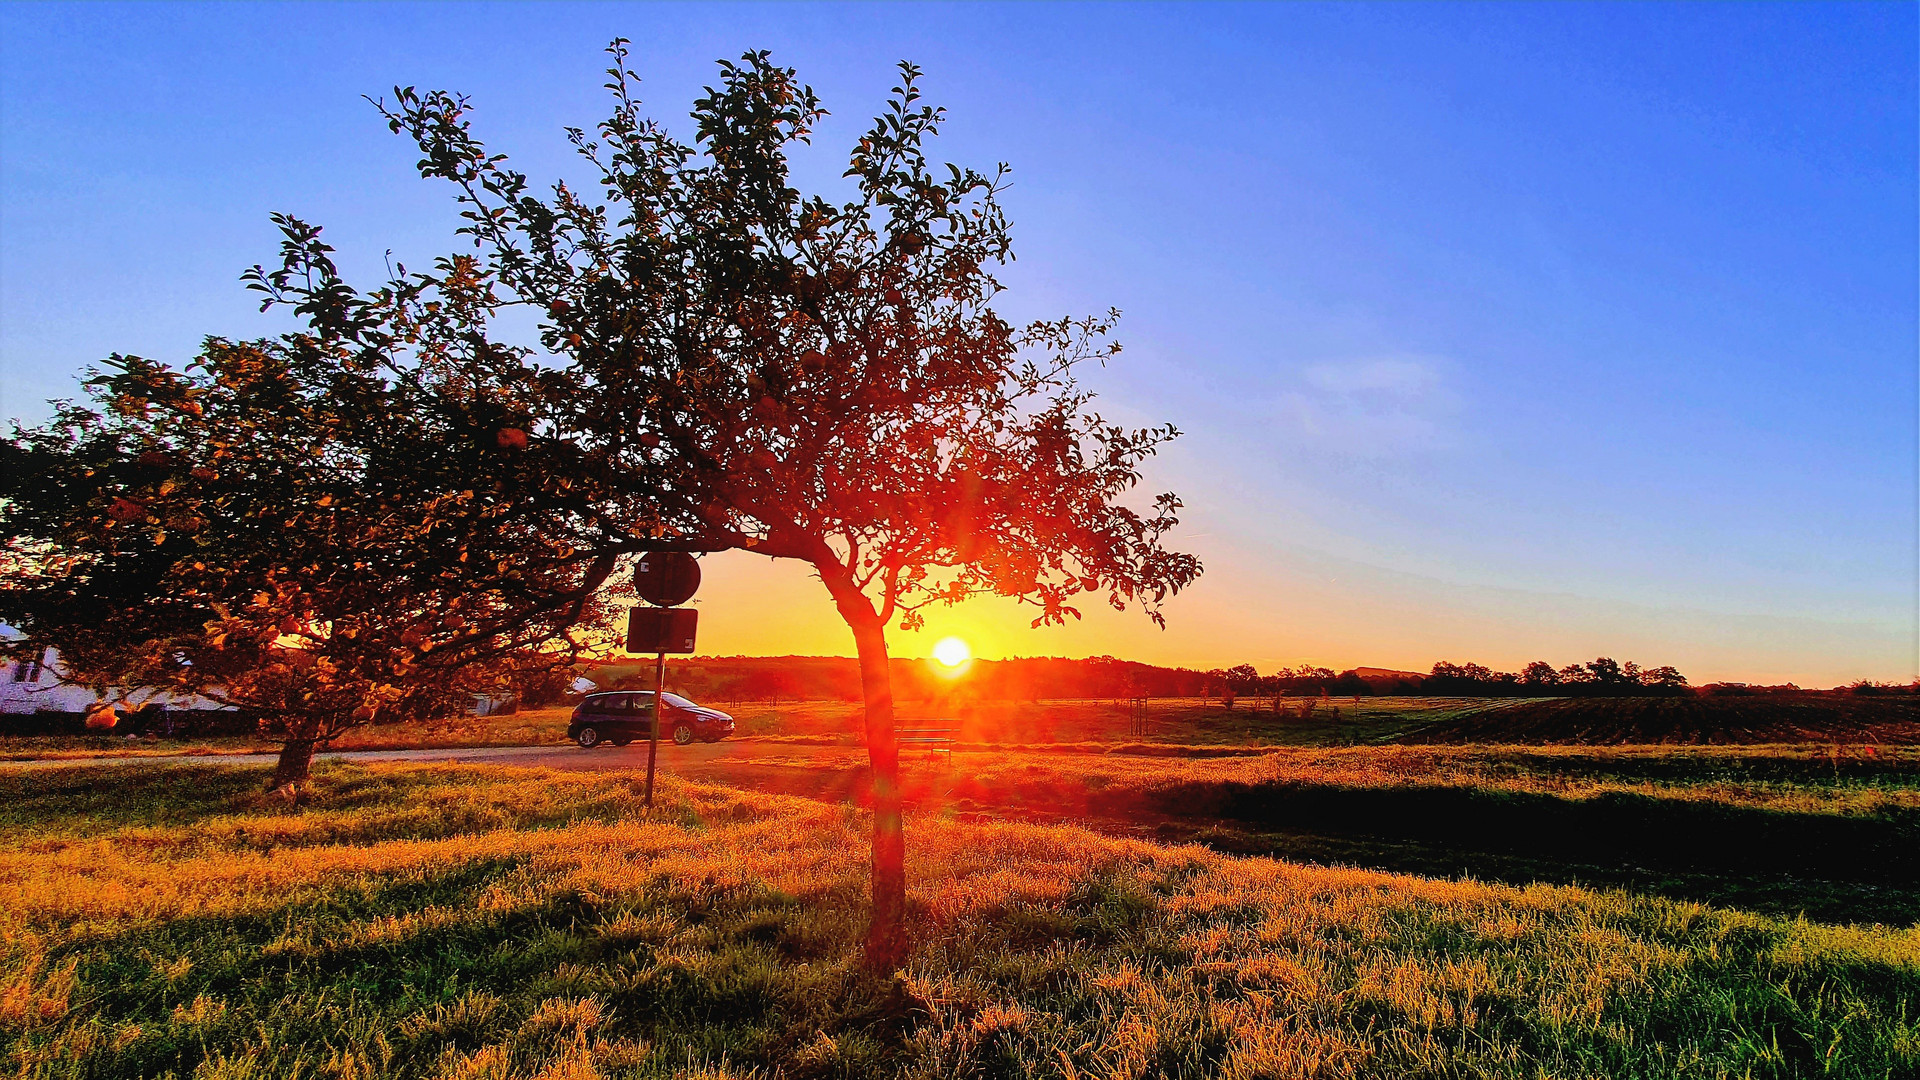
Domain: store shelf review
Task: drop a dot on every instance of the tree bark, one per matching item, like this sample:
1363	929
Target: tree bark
295	765
886	934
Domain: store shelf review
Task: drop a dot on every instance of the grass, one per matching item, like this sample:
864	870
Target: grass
1300	722
1195	721
1769	718
441	921
1804	718
1855	781
1833	833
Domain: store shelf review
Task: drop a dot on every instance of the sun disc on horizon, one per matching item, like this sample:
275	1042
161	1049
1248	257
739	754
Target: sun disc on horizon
952	652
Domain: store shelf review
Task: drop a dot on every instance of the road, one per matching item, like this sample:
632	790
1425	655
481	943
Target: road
699	757
829	772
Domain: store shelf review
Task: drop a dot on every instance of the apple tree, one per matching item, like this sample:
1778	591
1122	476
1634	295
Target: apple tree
723	363
363	519
821	378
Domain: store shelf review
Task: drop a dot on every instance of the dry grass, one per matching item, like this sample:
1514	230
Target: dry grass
466	921
1202	724
1082	778
1833	834
1836	780
1197	721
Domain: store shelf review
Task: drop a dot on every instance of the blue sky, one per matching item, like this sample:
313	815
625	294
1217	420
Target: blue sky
1500	332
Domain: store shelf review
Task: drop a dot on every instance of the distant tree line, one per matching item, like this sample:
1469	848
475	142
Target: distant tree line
1870	687
1244	680
1602	676
773	679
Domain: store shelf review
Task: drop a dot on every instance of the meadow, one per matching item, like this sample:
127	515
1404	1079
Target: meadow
1202	722
1043	722
1832	833
465	921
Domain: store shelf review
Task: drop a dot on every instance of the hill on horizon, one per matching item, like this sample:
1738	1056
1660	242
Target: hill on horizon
1387	673
737	678
775	678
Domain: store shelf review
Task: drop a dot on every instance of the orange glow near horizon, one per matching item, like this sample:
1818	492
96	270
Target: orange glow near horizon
1269	613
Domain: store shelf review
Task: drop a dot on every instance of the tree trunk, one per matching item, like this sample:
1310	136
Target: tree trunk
295	765
886	935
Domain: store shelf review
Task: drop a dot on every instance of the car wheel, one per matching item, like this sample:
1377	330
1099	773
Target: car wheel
588	738
682	733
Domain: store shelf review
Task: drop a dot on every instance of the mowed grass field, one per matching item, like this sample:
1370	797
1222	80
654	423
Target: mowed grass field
1105	721
1810	718
1100	721
1829	832
1673	721
447	921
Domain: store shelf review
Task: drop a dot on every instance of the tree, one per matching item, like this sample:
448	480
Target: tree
816	380
1458	678
333	526
1605	671
1242	678
1666	678
1540	673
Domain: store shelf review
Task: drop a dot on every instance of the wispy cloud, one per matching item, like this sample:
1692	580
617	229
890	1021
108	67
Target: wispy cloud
1371	407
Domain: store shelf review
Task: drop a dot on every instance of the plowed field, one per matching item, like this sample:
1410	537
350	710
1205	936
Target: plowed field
1684	720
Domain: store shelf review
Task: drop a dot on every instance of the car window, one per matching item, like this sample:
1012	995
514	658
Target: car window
641	704
677	701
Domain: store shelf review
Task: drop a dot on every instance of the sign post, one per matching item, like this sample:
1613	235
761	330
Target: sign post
653	729
665	579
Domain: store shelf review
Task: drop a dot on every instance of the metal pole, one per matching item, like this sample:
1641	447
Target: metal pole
653	736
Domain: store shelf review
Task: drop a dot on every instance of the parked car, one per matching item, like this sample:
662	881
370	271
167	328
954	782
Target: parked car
623	716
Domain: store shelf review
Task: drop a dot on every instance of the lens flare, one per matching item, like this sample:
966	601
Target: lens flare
952	652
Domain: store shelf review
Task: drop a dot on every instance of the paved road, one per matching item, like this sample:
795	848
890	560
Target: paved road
831	773
698	758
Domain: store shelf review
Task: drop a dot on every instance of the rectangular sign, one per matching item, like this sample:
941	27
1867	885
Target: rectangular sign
661	630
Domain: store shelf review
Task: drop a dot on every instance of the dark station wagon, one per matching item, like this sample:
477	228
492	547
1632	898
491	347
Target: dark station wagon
624	716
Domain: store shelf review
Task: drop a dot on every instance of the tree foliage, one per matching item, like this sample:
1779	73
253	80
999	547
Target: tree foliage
316	530
723	363
1603	675
810	379
814	379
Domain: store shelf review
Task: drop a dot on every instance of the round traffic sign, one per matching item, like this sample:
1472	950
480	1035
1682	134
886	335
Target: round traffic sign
666	578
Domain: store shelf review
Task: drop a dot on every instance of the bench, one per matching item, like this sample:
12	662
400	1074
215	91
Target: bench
938	740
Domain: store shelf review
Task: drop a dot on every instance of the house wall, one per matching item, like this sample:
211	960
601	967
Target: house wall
36	685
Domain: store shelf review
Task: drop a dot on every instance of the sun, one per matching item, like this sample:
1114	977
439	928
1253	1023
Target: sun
952	652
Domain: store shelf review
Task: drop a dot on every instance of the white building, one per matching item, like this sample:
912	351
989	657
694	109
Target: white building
37	685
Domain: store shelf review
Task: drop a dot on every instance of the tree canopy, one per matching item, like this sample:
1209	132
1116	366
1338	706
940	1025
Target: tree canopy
318	534
814	379
809	379
722	363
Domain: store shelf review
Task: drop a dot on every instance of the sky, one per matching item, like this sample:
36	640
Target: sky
1497	333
